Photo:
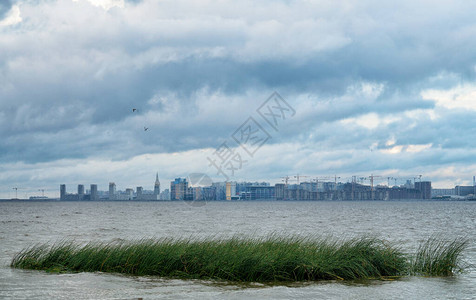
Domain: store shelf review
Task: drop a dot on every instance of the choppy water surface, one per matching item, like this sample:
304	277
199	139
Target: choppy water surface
23	224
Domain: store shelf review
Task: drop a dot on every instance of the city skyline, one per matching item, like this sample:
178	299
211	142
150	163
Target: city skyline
107	90
198	187
192	182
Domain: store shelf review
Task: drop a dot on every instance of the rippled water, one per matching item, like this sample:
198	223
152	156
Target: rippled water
23	224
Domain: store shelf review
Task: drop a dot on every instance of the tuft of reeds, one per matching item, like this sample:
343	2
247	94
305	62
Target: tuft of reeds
267	259
438	257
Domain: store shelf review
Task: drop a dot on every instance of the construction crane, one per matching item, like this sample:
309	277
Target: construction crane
388	181
299	176
372	177
415	177
335	182
286	179
16	191
354	180
322	178
394	180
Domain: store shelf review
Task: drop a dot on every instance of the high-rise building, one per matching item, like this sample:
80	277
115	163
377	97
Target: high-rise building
94	193
474	186
280	190
139	191
425	189
230	190
178	189
208	193
80	192
129	195
409	184
112	190
62	191
220	190
309	186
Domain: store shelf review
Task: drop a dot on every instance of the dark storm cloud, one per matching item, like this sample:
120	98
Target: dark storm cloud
5	6
117	93
83	77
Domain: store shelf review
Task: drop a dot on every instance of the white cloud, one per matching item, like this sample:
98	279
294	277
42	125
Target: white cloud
390	142
397	149
371	121
459	97
13	17
394	150
418	148
105	4
421	114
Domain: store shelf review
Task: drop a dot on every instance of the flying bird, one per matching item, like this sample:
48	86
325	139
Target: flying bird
134	109
146	128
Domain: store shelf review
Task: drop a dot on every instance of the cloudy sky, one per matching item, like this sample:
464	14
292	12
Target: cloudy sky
367	88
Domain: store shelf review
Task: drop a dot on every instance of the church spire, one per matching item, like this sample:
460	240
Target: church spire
157	184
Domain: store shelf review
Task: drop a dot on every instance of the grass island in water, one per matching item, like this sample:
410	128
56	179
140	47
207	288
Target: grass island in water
269	259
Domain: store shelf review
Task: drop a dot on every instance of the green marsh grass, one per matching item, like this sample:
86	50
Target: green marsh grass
438	257
268	259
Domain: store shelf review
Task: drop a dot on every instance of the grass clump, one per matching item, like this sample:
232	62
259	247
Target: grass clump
438	257
268	259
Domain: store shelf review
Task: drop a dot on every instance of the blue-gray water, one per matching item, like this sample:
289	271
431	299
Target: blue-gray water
23	224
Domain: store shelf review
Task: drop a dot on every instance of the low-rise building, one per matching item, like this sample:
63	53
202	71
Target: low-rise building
464	190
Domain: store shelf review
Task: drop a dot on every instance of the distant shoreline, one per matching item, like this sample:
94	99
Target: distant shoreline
235	201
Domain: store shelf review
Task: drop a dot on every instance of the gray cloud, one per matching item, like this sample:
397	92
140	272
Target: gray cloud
5	6
70	74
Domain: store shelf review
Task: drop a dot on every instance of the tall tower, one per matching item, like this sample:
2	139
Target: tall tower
62	191
112	191
474	186
94	192
157	185
80	192
139	191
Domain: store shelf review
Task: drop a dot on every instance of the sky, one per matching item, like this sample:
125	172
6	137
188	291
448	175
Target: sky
99	91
